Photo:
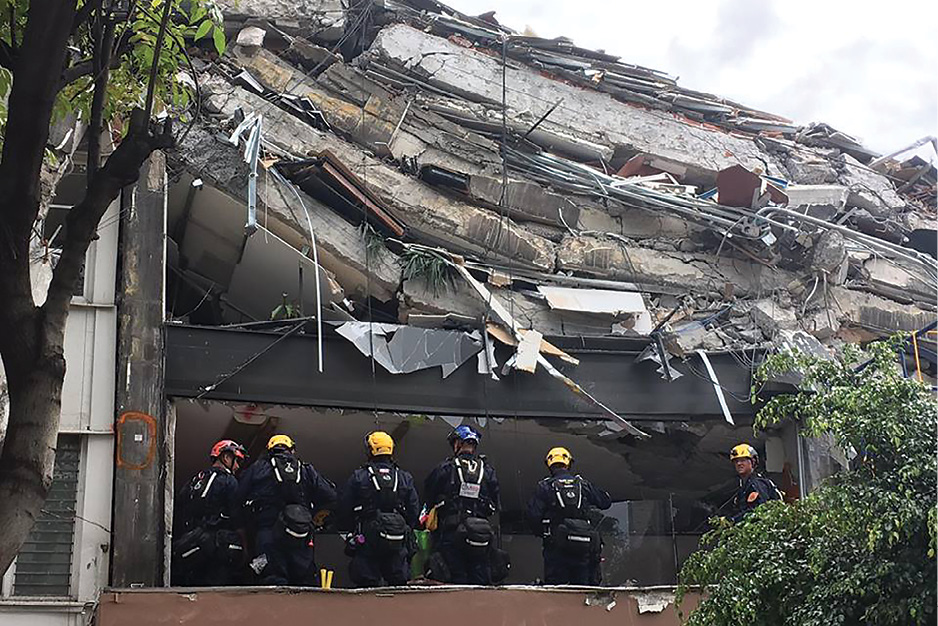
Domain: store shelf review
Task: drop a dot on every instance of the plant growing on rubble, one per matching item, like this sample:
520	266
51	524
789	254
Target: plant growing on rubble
372	239
860	549
428	266
112	64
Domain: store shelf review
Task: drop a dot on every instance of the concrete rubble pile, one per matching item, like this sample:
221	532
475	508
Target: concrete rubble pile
587	195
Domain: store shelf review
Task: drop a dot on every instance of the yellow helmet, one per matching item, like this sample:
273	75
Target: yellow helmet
280	440
379	443
559	455
744	451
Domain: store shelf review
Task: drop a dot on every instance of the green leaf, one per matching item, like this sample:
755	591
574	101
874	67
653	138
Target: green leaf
218	36
204	29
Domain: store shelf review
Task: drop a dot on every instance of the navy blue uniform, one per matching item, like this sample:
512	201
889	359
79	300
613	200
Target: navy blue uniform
208	503
372	496
265	498
558	499
466	489
752	492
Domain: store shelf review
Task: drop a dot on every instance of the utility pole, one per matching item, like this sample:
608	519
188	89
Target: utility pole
137	530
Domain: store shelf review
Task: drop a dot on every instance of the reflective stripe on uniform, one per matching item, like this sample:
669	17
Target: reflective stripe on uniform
208	485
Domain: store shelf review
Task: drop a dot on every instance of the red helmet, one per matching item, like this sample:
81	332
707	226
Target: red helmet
227	445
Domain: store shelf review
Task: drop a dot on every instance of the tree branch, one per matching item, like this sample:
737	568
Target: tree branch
13	26
86	66
151	84
121	169
83	13
37	67
103	47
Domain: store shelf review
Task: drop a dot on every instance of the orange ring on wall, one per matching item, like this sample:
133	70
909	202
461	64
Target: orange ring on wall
135	416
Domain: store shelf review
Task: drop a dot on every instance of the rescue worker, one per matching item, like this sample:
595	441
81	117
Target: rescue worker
559	510
380	504
208	549
753	489
464	492
280	494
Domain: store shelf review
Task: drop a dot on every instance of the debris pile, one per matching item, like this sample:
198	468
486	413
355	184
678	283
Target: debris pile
450	173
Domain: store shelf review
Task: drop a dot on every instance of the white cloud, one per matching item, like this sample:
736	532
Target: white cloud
868	69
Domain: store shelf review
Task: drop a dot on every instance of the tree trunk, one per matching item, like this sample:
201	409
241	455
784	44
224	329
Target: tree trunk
31	337
26	463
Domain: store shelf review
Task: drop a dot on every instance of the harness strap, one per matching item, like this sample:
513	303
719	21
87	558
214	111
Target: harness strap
208	485
462	479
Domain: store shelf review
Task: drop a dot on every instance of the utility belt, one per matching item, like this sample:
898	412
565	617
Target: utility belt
574	536
294	525
204	544
475	537
472	533
387	533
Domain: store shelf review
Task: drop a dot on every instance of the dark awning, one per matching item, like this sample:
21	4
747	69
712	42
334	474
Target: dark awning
197	358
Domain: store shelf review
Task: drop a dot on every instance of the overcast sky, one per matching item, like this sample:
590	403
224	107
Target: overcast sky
868	68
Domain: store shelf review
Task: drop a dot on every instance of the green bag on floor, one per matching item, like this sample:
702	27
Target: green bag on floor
419	561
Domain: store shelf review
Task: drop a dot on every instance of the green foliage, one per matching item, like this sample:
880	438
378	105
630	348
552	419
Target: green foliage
285	310
373	240
860	549
428	266
191	21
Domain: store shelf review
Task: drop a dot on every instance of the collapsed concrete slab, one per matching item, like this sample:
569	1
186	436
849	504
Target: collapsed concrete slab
446	154
435	217
342	248
886	279
326	18
772	318
869	190
364	112
476	76
665	272
825	201
881	316
529	309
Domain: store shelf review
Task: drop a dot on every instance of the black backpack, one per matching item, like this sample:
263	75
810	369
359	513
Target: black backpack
288	472
568	497
385	481
387	532
572	530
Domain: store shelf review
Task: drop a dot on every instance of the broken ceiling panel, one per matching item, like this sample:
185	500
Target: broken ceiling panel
594	300
405	349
